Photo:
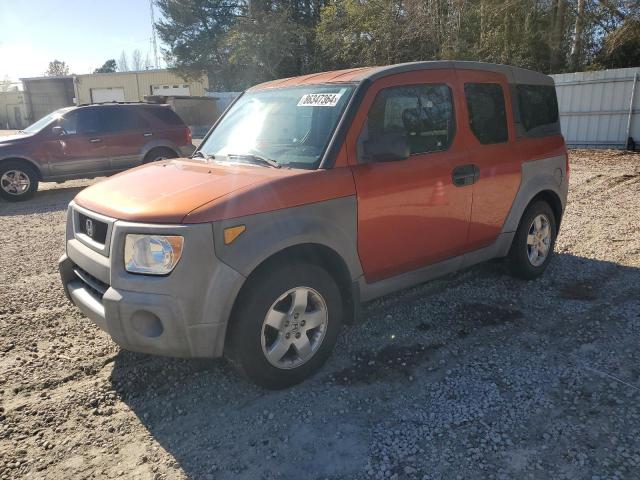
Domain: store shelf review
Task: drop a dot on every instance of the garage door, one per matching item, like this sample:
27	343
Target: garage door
99	95
170	89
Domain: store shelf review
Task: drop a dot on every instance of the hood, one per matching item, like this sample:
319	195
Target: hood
14	139
165	192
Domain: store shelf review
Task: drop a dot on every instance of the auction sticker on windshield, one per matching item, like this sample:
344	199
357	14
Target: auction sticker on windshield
319	100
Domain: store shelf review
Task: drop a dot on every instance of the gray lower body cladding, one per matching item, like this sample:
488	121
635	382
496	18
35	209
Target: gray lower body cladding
183	314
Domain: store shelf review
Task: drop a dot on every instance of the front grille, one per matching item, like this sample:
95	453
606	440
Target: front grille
96	286
92	228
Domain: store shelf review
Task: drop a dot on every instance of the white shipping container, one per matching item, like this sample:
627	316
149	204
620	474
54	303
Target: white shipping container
597	108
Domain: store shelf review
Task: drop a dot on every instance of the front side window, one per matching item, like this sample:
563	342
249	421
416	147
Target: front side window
88	121
291	126
46	120
69	123
538	108
487	114
422	114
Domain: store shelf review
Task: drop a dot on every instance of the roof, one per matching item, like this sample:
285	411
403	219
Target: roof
357	75
52	77
107	104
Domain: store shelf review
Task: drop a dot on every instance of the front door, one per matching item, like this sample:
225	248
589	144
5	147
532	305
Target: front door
410	212
81	149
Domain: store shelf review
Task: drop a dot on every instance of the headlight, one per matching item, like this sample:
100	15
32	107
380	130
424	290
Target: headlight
152	254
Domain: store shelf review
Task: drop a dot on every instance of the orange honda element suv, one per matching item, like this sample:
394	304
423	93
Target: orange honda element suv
311	195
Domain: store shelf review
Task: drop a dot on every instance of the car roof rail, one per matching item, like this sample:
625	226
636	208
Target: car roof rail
92	104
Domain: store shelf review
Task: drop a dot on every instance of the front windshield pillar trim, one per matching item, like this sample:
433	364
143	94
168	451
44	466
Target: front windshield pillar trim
340	133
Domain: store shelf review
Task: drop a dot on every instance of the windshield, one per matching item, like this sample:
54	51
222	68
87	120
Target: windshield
44	121
291	126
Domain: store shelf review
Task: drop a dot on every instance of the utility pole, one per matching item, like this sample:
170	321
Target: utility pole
154	42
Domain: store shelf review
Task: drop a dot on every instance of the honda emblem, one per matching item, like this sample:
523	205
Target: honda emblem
88	226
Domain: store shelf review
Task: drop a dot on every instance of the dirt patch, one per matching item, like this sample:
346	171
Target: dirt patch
389	362
585	291
485	315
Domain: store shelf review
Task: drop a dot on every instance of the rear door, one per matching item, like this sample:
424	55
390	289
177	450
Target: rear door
492	150
81	149
126	134
410	213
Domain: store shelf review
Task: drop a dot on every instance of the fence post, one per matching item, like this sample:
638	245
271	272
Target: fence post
630	142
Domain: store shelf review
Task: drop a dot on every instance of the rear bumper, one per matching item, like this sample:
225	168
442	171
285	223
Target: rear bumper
186	150
184	314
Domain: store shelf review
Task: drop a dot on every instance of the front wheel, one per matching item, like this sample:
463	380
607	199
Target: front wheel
18	181
286	325
534	241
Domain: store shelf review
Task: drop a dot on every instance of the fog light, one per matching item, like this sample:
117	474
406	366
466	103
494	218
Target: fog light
147	324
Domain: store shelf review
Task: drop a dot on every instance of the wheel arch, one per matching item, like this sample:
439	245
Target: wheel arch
552	198
26	161
314	253
157	145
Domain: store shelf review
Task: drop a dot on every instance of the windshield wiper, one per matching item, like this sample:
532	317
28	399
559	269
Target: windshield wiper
255	159
206	156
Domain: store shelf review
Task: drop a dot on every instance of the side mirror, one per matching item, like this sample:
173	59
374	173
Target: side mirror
386	148
57	131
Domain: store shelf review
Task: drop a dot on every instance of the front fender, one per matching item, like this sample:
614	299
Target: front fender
331	223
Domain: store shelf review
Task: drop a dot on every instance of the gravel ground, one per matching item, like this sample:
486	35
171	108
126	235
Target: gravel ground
475	375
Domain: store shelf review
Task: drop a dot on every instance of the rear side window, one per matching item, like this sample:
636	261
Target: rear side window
118	119
423	113
487	115
538	109
165	115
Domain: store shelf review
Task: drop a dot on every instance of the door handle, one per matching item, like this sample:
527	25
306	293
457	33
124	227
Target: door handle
465	175
147	134
95	140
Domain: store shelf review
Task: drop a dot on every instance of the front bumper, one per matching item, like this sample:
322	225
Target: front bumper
183	314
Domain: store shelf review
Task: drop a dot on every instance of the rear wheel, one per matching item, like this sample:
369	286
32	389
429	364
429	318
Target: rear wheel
158	154
533	243
286	325
18	181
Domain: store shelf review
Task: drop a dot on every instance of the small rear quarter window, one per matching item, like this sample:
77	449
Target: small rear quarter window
538	109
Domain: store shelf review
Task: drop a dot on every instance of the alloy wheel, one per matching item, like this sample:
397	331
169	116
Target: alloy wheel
294	327
539	240
15	182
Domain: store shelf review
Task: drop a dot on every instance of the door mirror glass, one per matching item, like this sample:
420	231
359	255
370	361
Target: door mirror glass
57	131
391	147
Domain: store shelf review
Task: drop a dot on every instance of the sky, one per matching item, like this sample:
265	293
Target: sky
84	34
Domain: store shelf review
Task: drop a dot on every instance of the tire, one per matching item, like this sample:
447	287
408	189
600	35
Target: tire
529	256
269	300
26	177
158	154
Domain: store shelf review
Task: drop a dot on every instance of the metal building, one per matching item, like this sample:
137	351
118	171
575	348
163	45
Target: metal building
43	95
134	86
13	110
600	109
